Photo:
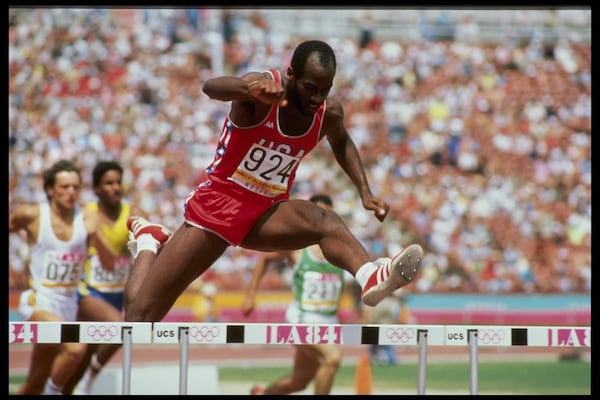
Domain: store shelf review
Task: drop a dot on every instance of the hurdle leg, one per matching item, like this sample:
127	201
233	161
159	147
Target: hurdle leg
422	340
184	333
127	340
473	359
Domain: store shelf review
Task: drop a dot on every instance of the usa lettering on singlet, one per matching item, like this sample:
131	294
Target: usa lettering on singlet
261	158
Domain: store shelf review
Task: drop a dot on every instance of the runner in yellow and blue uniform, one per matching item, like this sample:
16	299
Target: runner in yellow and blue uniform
102	289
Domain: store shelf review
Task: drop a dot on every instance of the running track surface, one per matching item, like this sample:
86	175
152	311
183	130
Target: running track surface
243	355
250	355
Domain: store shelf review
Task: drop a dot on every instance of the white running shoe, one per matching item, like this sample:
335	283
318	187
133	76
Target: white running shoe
392	274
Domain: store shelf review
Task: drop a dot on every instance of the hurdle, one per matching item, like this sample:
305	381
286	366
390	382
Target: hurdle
184	334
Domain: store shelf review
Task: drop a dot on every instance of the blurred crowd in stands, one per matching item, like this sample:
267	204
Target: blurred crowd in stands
483	150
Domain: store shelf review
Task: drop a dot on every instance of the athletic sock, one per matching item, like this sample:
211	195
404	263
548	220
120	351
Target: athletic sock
95	365
84	386
364	272
146	242
51	388
132	245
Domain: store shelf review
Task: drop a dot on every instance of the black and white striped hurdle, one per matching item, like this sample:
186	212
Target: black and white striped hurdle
127	333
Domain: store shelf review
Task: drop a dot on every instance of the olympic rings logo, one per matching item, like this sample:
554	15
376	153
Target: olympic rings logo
204	333
399	335
490	336
102	332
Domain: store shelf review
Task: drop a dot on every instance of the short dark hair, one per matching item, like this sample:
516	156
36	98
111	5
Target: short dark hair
323	51
101	168
321	198
59	166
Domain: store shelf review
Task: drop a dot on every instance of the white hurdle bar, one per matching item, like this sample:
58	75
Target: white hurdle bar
183	333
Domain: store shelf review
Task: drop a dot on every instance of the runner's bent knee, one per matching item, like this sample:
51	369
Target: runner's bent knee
325	222
331	356
74	351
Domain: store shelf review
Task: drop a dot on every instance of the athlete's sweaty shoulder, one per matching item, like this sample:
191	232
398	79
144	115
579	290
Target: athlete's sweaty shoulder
334	108
333	119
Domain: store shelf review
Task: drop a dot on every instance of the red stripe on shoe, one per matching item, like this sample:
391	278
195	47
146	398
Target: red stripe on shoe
371	282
